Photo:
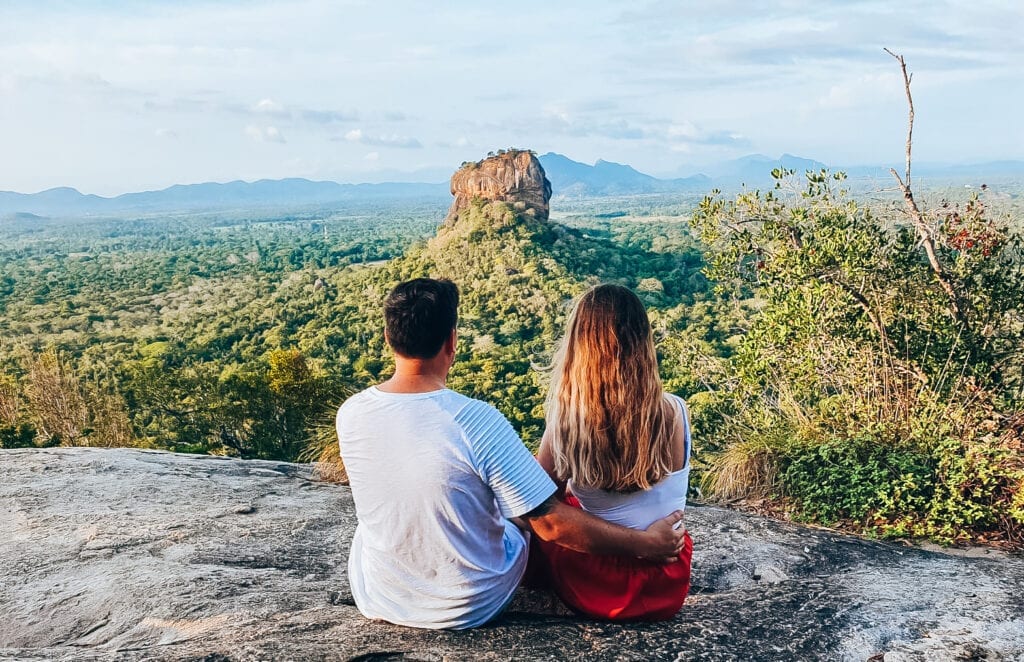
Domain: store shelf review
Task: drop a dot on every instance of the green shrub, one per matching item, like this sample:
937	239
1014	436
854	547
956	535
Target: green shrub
887	352
976	486
20	435
858	481
951	489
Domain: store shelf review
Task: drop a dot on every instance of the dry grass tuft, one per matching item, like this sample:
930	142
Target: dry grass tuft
332	471
323	451
745	470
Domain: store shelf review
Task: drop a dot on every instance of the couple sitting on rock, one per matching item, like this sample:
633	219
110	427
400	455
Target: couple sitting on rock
452	508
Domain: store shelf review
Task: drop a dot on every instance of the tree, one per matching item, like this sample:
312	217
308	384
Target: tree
55	400
881	341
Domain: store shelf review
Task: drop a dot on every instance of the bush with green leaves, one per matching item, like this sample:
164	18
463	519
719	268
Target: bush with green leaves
17	435
190	332
870	326
857	480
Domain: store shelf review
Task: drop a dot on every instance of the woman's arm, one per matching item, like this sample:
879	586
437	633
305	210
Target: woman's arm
547	461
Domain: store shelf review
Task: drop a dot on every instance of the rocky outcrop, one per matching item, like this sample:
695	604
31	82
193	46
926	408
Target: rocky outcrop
127	554
516	177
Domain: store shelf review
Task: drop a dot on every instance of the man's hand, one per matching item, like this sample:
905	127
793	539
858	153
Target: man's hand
666	538
554	521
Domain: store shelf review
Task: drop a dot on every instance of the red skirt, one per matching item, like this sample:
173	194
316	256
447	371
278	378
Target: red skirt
615	588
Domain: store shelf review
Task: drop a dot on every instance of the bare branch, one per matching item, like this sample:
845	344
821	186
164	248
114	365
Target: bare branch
923	231
910	104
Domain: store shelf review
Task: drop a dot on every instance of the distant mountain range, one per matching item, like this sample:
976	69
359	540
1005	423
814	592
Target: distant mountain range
210	196
568	178
757	168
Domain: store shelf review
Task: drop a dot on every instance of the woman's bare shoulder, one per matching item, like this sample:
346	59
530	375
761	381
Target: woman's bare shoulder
674	405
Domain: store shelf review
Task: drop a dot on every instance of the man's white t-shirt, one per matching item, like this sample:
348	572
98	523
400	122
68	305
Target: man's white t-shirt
434	477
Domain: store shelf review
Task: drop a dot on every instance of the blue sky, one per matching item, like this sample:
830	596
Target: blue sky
111	97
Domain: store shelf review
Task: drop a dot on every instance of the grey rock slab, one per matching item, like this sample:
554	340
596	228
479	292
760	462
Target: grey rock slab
118	554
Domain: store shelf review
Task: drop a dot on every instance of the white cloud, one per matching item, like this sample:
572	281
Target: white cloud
270	134
868	89
387	140
709	80
683	131
558	113
372	156
268	106
165	133
459	143
681	135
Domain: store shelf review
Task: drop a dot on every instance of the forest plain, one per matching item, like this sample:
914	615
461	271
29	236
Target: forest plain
832	376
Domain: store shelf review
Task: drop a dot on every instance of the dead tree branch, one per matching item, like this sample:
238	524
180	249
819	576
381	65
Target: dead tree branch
923	231
907	77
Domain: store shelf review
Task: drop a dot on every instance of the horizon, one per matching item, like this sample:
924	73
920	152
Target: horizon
110	100
444	182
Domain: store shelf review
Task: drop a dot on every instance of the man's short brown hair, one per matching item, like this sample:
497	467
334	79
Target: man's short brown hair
419	316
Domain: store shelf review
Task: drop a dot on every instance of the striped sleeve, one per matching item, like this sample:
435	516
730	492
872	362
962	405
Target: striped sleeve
517	480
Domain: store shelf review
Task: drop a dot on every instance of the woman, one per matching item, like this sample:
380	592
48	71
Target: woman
621	446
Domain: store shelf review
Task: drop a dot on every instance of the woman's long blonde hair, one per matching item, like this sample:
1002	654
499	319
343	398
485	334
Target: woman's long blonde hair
605	410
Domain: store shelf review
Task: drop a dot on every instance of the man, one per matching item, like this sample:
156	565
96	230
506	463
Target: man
436	478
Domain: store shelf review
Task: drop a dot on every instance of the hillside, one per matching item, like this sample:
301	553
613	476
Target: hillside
572	178
815	364
516	270
233	334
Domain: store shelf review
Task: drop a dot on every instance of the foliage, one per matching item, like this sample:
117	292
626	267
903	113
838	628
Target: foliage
893	399
826	372
856	479
18	435
168	332
517	275
240	336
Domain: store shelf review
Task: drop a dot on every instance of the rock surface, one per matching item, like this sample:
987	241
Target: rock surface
516	177
128	554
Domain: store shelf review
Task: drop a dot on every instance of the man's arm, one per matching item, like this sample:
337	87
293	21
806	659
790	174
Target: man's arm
554	521
519	484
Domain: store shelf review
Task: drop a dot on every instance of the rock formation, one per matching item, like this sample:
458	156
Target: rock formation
514	176
128	554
